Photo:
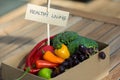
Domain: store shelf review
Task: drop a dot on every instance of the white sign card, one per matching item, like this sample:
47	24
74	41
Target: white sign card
40	14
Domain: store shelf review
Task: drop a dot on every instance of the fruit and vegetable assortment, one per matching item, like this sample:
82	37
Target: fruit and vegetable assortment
66	50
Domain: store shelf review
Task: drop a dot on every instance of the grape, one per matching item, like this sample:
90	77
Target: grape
58	70
81	58
91	50
70	63
83	49
65	64
102	55
61	69
54	73
76	62
74	57
78	52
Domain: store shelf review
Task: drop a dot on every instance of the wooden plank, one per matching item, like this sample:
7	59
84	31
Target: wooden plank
89	28
80	25
11	26
103	30
115	44
100	31
114	74
115	59
2	33
111	35
89	15
16	25
22	36
6	40
13	45
70	24
110	10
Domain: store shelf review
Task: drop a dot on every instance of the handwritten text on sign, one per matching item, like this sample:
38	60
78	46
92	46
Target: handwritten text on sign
40	14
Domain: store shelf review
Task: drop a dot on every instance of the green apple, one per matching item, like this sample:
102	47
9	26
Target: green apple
45	73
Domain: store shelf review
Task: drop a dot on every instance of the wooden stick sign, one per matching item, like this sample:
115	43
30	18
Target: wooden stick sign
48	26
47	15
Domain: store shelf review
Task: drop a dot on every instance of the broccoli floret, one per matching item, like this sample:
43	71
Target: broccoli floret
65	37
88	43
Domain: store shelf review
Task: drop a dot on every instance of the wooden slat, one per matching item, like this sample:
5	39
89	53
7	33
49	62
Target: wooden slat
114	64
13	45
10	25
71	23
94	16
89	28
80	25
114	74
115	59
111	35
110	10
2	33
6	40
115	44
100	31
15	25
75	20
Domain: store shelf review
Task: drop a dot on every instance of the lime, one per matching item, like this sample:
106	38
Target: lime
45	73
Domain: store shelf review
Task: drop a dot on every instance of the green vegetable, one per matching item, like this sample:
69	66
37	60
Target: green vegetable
88	43
66	37
72	40
45	73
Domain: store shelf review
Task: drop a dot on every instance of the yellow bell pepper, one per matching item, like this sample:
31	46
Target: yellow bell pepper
63	52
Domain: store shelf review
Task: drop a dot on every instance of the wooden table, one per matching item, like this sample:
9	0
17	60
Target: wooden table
18	34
